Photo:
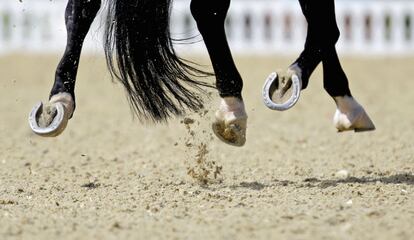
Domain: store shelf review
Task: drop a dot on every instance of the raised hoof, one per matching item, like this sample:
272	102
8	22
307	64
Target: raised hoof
52	119
281	92
231	121
358	121
233	132
48	123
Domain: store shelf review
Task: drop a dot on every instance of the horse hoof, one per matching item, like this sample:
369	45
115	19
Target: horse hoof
231	122
352	117
232	133
52	128
282	92
359	123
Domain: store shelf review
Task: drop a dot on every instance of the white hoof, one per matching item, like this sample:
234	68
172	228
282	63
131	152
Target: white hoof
281	92
351	116
231	122
51	120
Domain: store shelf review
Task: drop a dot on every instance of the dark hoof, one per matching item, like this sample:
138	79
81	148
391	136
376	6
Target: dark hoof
49	128
281	92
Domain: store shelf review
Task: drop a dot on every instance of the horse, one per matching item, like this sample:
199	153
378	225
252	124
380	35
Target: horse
159	84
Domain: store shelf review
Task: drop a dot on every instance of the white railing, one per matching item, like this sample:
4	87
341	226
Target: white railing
253	26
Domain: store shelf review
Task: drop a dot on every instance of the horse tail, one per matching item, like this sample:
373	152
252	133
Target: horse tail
139	53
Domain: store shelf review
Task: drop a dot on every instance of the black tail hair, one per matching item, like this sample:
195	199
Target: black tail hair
139	53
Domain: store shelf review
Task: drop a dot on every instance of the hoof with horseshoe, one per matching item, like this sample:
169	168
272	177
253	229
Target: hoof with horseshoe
281	92
51	120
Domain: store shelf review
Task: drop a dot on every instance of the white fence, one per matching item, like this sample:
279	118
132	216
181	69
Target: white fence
253	26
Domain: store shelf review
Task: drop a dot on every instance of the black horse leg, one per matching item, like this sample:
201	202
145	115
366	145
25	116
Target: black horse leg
210	16
79	17
334	78
231	118
52	119
323	33
282	90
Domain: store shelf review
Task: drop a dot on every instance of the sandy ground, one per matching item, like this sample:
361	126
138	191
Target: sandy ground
110	177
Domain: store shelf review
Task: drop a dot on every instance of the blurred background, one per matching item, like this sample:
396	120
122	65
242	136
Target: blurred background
263	27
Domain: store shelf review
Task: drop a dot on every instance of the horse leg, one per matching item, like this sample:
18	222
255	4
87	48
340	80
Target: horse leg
231	118
52	119
349	115
323	33
282	90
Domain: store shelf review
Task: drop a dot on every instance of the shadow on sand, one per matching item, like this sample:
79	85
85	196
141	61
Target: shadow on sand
402	178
